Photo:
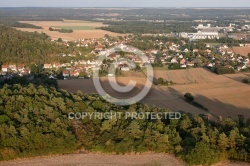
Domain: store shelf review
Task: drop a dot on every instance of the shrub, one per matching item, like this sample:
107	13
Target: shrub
246	80
189	97
162	81
223	70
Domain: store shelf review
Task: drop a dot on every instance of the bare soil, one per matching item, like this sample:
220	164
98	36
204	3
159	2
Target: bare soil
241	50
157	96
223	95
98	160
77	34
151	159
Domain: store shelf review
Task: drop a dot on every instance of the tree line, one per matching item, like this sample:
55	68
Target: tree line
18	24
61	30
26	48
144	27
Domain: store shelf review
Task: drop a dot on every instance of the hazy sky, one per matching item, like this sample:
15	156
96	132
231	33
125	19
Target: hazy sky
124	3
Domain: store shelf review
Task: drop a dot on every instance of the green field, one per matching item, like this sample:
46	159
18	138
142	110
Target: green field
76	27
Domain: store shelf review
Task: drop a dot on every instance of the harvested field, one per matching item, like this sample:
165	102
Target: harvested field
188	76
82	29
98	159
105	160
223	95
238	77
243	51
157	96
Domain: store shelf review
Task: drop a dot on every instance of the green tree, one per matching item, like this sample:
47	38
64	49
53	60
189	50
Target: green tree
189	97
203	154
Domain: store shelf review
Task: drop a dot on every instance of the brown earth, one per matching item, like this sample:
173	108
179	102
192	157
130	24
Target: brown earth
77	34
223	95
187	76
105	160
165	98
244	51
98	160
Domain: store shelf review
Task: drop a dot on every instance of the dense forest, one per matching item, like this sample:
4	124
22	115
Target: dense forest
35	79
142	27
26	47
34	121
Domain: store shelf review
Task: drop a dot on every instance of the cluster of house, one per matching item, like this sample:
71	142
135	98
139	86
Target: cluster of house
184	63
242	62
178	55
227	57
20	69
74	68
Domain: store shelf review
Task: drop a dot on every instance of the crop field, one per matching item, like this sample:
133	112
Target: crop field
223	95
82	29
188	76
244	51
166	98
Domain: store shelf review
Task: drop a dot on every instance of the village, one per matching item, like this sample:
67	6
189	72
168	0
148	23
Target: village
161	53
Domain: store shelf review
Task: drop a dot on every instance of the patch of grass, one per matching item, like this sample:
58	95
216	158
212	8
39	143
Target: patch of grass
76	27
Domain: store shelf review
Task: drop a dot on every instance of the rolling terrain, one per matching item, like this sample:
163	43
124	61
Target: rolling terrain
223	95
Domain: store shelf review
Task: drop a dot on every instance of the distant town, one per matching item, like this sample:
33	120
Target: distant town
172	55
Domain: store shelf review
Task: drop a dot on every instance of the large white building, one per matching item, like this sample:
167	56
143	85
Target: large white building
200	35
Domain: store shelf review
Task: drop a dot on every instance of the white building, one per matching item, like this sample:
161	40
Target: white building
204	35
